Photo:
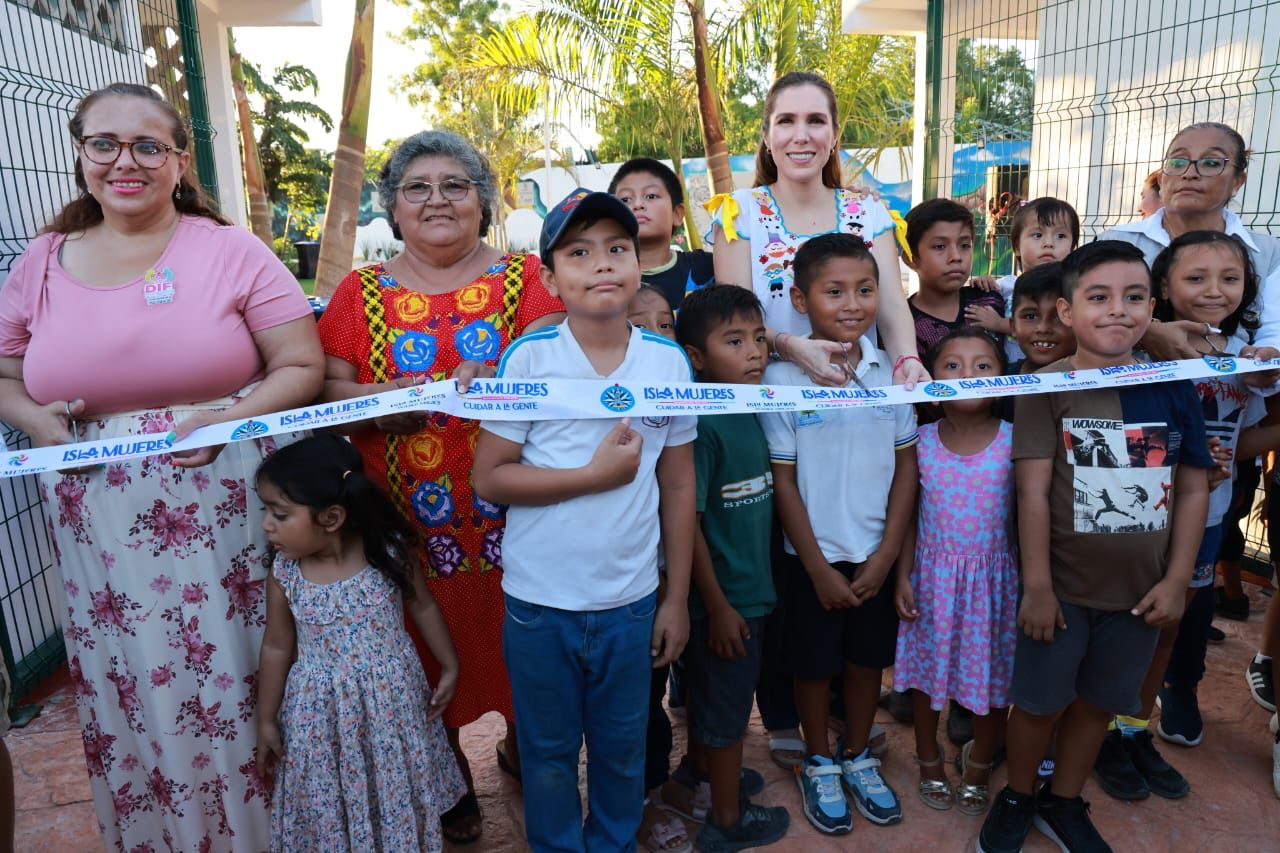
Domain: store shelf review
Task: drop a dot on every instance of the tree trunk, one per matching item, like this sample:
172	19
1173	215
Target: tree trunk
708	103
338	241
690	226
255	188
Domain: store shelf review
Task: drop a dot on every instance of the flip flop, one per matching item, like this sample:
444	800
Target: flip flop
466	808
505	765
663	832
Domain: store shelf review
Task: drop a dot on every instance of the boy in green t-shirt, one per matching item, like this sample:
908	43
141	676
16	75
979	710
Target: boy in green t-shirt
721	327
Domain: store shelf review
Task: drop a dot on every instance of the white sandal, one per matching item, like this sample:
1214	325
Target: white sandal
663	832
935	793
779	747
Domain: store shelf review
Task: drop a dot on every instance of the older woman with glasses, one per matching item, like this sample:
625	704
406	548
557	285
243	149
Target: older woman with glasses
1204	167
448	303
140	310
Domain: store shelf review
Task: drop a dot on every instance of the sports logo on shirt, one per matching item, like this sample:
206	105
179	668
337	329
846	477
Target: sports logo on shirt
249	429
617	399
747	488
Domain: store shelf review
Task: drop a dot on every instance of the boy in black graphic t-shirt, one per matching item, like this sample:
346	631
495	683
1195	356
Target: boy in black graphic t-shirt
654	194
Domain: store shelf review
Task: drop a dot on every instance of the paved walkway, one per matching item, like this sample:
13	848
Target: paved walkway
1232	806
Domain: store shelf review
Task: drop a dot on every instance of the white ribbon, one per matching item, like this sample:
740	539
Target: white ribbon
573	399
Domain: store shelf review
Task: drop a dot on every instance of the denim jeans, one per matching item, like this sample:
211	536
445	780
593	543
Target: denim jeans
576	675
1186	663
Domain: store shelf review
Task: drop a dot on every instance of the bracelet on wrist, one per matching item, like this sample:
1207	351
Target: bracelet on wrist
903	359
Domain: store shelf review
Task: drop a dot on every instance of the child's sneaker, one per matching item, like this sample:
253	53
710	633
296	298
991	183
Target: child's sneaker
871	794
1162	779
1261	681
756	827
1066	823
1180	720
1115	771
1008	823
823	800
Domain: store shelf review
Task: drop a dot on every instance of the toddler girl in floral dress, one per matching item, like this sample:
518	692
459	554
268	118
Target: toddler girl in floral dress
957	587
349	730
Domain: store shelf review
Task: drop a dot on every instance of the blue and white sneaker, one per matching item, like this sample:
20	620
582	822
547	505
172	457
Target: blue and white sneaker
824	802
871	795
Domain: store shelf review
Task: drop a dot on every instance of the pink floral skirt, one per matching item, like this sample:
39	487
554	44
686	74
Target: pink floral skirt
163	572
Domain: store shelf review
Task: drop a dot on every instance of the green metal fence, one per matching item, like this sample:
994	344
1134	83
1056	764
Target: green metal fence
52	53
1078	98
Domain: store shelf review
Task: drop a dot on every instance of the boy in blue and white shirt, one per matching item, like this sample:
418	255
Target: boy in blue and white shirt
588	500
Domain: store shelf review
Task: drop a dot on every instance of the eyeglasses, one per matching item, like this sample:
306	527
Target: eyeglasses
105	150
451	189
1206	167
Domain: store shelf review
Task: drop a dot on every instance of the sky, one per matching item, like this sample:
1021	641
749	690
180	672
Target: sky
323	49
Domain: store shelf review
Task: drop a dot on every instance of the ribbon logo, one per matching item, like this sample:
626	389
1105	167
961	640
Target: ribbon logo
617	399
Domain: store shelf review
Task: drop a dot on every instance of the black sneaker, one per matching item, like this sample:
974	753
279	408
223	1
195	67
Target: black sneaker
1262	685
1217	636
1235	608
1115	771
1180	721
1066	823
1162	779
1008	823
756	827
959	724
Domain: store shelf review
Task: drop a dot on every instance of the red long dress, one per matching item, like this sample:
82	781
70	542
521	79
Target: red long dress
429	335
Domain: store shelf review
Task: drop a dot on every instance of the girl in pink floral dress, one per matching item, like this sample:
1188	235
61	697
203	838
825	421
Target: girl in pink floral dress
957	587
349	729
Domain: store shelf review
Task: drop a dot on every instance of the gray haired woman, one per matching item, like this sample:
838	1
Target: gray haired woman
448	304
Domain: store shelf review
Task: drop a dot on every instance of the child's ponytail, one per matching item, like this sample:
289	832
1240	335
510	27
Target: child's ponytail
326	470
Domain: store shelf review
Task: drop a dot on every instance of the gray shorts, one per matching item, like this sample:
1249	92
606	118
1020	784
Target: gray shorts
720	692
1102	656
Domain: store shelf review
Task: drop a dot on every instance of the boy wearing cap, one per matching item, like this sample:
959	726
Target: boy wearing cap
588	499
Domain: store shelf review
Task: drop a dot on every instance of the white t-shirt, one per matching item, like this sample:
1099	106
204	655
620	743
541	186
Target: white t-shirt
1012	351
844	459
1228	408
773	246
599	551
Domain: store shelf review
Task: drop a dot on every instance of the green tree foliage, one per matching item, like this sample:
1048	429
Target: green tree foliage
995	93
278	113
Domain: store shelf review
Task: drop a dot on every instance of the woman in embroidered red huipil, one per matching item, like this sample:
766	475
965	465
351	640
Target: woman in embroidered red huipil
448	298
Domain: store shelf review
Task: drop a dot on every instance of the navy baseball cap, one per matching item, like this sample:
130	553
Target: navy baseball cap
578	204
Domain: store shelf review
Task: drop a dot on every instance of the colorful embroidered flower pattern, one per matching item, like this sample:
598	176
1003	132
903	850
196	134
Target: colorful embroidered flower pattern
473	298
478	341
414	352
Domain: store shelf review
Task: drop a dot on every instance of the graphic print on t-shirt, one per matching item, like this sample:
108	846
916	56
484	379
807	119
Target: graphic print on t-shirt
1121	482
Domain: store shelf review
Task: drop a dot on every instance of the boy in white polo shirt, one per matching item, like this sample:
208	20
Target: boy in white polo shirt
587	500
845	486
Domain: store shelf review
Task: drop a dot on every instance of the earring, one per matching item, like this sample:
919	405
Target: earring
177	192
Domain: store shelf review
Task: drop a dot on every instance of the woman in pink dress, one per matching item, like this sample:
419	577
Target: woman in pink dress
139	310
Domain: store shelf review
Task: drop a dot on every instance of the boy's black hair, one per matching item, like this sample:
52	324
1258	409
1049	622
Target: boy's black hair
706	309
326	470
650	166
1044	211
645	287
548	258
815	253
926	214
1093	255
1163	266
1044	281
976	332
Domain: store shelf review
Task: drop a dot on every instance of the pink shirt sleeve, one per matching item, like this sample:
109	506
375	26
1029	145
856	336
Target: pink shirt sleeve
18	294
267	293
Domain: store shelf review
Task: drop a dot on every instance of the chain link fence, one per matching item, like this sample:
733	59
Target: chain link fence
1079	98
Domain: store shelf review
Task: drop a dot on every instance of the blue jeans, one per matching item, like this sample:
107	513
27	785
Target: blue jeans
575	675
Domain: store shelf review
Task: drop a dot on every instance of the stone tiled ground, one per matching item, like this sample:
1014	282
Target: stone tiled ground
1231	807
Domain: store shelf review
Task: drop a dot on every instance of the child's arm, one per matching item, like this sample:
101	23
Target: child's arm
832	588
501	478
431	625
727	630
902	502
1162	606
274	660
904	598
676	512
1039	614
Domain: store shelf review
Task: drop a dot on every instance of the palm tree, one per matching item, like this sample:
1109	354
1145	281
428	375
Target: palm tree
337	243
708	87
259	206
